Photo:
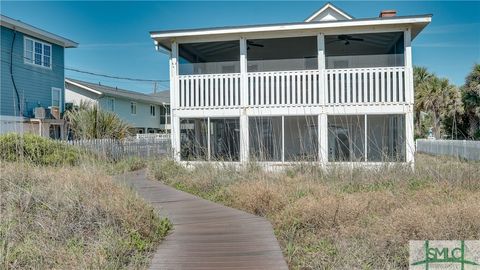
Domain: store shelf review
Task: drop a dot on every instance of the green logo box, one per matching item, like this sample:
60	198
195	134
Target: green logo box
444	255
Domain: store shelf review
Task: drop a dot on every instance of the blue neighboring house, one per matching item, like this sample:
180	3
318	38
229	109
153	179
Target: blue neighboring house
32	79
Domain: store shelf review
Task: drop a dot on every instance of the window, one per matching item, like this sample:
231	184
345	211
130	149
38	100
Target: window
37	53
386	138
301	138
265	135
225	139
56	97
346	138
164	114
133	107
111	104
194	139
152	110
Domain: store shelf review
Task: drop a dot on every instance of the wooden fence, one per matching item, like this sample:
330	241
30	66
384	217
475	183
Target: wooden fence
117	149
469	150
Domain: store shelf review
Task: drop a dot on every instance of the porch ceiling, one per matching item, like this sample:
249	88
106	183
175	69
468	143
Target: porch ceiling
290	48
375	43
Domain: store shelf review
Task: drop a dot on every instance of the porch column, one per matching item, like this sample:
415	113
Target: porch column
409	92
323	138
409	139
409	98
244	140
175	136
175	133
321	67
322	118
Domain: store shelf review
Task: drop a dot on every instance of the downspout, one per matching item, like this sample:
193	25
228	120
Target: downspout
11	73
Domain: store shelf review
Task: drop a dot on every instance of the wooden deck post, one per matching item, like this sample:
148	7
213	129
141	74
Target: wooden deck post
409	98
408	67
174	101
244	140
321	68
323	138
322	118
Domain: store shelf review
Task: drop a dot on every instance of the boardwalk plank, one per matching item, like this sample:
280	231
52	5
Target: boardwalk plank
207	235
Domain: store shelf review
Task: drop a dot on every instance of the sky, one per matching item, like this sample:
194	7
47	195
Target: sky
114	36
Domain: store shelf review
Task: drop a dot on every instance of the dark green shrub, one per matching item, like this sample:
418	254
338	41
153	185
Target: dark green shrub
37	150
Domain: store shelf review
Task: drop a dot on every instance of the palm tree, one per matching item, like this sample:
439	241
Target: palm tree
420	77
90	122
471	101
440	98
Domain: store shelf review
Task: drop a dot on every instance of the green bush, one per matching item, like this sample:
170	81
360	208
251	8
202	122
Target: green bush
37	150
73	217
166	170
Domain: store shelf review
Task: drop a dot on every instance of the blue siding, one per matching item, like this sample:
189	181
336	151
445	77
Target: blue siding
34	83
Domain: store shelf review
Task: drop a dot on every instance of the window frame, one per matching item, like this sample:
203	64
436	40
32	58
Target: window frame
42	55
133	105
59	97
154	110
112	107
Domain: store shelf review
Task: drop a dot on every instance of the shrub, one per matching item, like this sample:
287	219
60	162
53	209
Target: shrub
165	170
90	122
37	150
73	218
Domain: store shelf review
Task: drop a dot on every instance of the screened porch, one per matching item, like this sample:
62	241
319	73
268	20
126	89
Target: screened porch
337	69
283	139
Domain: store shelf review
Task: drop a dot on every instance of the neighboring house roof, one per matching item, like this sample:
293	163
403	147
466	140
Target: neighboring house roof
163	95
104	90
36	32
417	22
328	8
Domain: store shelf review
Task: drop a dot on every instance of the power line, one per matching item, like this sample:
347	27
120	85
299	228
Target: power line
87	72
114	77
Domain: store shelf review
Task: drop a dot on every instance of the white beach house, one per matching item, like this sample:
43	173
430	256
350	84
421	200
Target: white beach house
332	88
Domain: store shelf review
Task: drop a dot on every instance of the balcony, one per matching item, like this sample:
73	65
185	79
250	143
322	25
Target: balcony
357	70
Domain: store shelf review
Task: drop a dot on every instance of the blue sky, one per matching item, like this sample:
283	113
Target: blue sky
114	37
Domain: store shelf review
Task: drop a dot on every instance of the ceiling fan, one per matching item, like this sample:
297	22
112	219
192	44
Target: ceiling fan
252	43
346	39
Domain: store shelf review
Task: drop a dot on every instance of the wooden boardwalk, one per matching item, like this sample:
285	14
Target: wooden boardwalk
207	235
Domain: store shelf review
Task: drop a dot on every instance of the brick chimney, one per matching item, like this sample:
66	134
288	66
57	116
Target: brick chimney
388	13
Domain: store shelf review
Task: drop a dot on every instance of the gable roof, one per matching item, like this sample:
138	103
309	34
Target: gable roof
327	8
36	32
104	90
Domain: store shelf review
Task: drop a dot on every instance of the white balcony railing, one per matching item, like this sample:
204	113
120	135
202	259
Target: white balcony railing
210	90
365	85
283	88
300	87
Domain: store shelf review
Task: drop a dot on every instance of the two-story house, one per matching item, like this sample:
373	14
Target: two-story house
32	79
146	113
332	88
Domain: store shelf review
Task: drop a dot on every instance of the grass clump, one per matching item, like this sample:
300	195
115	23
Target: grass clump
73	217
37	150
346	218
127	164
